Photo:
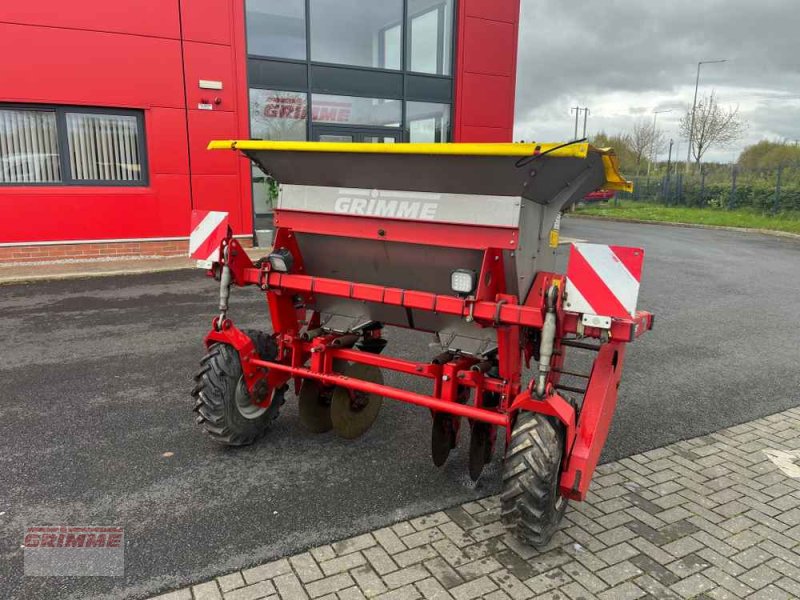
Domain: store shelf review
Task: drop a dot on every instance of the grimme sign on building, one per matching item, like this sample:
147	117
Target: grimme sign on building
280	107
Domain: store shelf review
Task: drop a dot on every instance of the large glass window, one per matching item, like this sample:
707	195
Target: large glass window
276	28
71	146
352	110
357	32
428	121
274	115
430	36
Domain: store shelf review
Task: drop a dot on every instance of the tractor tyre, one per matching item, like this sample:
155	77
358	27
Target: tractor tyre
222	400
531	506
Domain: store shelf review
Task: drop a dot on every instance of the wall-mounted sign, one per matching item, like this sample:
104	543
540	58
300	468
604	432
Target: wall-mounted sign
210	84
205	107
296	108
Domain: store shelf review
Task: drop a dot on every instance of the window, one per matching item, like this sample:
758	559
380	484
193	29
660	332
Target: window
430	36
428	121
28	147
276	28
352	110
103	147
357	32
278	115
274	115
391	48
72	146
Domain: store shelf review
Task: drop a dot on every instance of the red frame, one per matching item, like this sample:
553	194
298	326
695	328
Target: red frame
490	306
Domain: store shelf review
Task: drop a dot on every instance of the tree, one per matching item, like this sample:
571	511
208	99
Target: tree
766	155
645	141
714	125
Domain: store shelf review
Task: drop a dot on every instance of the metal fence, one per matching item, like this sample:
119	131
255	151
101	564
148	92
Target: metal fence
722	186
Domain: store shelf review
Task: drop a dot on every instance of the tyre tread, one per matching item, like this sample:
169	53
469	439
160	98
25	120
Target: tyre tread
215	387
530	473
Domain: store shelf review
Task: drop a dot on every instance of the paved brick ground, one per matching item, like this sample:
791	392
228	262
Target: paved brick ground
711	517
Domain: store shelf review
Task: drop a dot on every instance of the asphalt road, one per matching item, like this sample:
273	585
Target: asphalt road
95	380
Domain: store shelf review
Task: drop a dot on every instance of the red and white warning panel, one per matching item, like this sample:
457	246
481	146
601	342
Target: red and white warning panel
603	280
209	228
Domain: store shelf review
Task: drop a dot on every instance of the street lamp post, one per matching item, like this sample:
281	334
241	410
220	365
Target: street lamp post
585	117
653	142
694	107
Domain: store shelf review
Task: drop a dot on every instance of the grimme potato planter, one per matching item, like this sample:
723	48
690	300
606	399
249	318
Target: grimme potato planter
456	240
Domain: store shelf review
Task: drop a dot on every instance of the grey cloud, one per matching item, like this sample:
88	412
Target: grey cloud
643	55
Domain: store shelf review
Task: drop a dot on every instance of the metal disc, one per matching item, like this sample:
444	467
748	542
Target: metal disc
480	446
443	437
353	413
314	407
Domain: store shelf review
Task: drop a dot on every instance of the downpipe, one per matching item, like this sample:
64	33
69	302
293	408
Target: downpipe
547	342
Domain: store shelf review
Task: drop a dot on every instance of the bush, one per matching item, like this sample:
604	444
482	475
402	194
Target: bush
755	192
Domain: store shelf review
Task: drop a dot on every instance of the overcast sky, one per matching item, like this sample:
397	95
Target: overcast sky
625	58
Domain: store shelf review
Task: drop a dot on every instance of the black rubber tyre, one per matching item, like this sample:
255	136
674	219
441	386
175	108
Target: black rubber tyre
221	397
531	506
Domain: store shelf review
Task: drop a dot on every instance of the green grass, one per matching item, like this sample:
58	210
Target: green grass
647	211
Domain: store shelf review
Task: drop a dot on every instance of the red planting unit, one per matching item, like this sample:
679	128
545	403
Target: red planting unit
456	240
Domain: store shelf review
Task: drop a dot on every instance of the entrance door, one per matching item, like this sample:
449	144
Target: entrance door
370	135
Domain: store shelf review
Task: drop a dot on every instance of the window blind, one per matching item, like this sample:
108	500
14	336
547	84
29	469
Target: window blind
28	147
103	147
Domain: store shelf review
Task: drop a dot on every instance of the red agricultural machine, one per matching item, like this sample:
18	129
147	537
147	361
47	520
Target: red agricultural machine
456	240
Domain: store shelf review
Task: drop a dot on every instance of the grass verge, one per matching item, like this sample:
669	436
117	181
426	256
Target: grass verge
646	211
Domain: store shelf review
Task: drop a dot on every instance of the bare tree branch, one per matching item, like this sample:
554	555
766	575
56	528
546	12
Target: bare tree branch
641	141
714	125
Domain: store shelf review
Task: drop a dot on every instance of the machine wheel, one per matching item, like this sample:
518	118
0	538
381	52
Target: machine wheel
353	413
221	398
531	506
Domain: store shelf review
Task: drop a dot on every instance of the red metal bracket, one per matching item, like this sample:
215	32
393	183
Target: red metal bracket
258	380
552	405
238	260
594	420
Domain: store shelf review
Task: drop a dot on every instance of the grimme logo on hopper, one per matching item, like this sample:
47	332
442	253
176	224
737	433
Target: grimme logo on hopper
395	205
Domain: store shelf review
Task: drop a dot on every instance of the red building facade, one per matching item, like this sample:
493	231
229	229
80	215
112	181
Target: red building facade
106	108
